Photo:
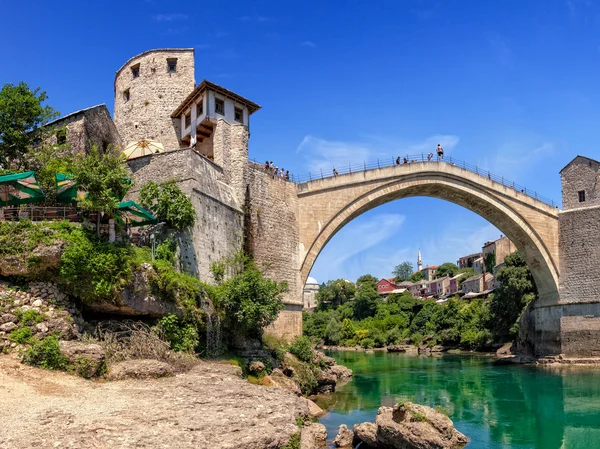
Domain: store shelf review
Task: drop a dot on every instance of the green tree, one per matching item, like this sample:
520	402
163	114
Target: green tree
169	203
104	178
446	269
490	262
22	114
416	277
335	293
403	271
365	300
367	279
517	288
249	301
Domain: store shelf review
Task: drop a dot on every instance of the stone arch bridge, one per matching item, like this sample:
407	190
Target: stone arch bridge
328	204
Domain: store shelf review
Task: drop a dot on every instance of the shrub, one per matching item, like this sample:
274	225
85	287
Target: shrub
21	335
169	204
45	354
166	251
182	336
29	317
301	347
293	443
394	336
367	343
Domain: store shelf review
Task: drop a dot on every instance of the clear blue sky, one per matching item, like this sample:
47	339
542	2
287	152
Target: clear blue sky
509	85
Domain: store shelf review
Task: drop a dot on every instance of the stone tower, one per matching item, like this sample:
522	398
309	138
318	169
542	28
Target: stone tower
148	88
419	261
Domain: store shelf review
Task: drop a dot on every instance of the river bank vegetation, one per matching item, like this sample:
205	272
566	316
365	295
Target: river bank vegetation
351	316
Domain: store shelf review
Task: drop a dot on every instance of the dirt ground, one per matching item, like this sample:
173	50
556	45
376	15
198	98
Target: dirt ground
208	407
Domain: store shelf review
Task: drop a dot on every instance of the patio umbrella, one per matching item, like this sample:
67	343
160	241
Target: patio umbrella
67	189
132	214
142	148
20	188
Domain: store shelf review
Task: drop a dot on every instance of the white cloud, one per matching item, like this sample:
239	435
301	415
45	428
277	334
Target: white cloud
170	17
310	44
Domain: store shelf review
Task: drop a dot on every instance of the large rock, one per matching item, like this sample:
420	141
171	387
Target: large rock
256	367
139	369
313	436
8	327
341	373
88	360
322	360
344	437
45	257
8	318
282	381
326	382
413	426
505	350
367	433
314	410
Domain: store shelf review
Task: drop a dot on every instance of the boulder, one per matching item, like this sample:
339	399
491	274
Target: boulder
314	411
139	369
8	327
282	381
341	373
326	381
413	426
322	360
366	433
256	367
344	437
8	318
505	350
37	303
313	436
88	360
45	256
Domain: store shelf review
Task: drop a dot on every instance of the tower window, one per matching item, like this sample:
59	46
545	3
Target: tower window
581	194
199	109
172	65
219	106
188	121
239	115
135	71
126	95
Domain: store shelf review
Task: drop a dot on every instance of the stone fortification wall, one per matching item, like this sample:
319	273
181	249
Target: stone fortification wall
218	231
153	95
580	175
230	144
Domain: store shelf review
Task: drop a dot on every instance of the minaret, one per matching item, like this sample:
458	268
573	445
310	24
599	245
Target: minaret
419	261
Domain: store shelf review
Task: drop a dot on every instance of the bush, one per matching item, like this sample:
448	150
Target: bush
166	251
45	354
367	343
181	336
21	335
394	336
169	204
29	317
301	347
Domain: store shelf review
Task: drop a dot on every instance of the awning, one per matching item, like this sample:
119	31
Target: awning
20	188
132	214
142	148
69	191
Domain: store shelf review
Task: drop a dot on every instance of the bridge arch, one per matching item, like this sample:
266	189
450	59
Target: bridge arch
327	205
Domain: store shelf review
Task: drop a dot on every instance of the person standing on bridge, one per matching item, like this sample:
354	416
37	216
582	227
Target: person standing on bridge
335	172
398	160
429	156
440	152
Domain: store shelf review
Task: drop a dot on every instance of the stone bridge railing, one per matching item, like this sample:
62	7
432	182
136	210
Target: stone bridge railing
380	163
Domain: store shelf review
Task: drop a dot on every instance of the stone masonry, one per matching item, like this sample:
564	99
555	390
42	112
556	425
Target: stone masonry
143	104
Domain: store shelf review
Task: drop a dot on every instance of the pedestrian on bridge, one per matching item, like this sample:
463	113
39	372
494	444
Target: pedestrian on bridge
335	172
440	152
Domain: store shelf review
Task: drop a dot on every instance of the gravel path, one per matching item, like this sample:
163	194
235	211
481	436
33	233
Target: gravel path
209	407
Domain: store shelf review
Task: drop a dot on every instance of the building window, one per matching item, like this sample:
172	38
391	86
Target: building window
239	115
172	65
61	136
135	71
199	109
126	95
188	121
581	194
219	106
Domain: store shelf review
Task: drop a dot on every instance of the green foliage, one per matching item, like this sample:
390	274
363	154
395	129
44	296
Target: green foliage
45	354
365	300
94	270
416	277
166	251
169	204
403	271
517	289
367	343
21	335
248	300
19	237
104	177
335	293
293	443
419	417
367	280
181	335
22	114
301	347
29	317
490	262
447	269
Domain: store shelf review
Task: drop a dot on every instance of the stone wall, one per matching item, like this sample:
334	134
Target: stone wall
218	231
288	324
275	233
580	174
230	145
153	95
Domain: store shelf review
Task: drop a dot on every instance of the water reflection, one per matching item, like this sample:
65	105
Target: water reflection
497	407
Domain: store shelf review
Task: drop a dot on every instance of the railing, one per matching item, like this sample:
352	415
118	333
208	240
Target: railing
389	162
43	213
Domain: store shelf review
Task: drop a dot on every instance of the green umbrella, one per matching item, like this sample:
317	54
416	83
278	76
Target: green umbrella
132	214
20	188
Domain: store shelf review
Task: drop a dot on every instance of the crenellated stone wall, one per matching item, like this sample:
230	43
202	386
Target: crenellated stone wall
153	95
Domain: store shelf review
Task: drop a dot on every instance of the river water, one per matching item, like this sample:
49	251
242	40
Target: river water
495	406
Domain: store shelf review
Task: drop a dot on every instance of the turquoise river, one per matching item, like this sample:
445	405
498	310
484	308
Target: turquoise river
495	406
